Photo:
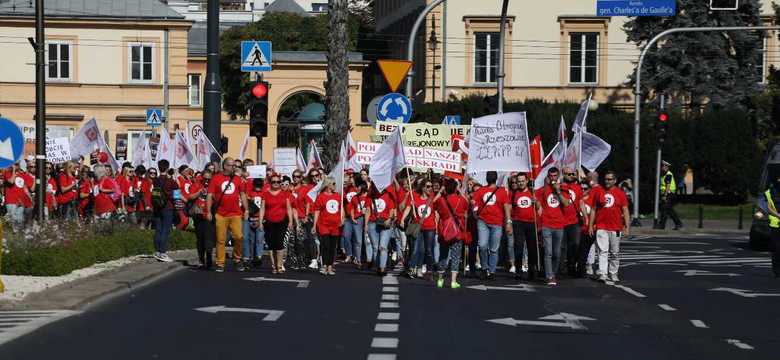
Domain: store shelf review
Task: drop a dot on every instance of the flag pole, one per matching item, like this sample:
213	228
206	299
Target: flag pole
533	196
408	175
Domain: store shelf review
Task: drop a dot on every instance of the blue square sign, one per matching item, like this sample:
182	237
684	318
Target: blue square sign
153	117
255	56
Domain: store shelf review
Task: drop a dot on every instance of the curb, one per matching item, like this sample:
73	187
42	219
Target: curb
687	231
77	293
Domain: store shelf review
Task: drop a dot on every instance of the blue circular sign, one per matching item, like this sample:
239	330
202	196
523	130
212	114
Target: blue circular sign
11	143
394	107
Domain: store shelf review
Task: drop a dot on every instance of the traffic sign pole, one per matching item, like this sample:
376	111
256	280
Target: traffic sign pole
40	112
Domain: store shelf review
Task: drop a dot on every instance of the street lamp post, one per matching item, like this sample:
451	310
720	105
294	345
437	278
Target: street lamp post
433	43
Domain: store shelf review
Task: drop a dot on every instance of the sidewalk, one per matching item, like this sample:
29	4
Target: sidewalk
76	293
691	226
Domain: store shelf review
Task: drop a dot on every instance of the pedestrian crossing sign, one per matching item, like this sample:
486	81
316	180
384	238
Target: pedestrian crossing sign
255	56
153	117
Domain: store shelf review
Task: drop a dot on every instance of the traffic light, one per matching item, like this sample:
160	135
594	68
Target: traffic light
223	146
660	126
258	108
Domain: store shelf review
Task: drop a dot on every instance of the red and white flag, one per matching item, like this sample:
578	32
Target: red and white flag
351	149
300	163
537	156
85	141
166	150
337	173
314	157
183	154
205	149
244	146
572	158
563	134
139	152
582	115
554	159
388	160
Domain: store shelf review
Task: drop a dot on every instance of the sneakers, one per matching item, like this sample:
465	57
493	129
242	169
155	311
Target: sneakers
201	266
589	269
331	272
411	273
440	283
513	270
466	269
419	273
323	271
551	281
314	264
478	266
614	277
424	268
220	269
164	258
240	266
454	285
602	278
156	255
400	263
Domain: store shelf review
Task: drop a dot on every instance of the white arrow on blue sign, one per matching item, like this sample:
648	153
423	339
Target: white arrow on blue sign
394	107
255	56
153	117
11	143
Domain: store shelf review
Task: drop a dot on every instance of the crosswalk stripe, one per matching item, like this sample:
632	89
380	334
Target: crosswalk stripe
10	329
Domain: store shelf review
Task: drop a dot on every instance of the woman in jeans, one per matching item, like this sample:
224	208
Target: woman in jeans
328	218
421	203
354	224
67	192
253	236
453	203
381	214
275	219
205	231
345	244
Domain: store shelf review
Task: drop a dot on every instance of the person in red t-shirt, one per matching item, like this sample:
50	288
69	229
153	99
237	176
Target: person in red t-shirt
381	214
354	224
573	222
227	196
350	190
205	231
125	181
67	194
421	206
524	224
609	221
451	203
253	236
104	205
51	190
276	217
584	258
328	219
86	195
306	206
494	211
15	192
550	201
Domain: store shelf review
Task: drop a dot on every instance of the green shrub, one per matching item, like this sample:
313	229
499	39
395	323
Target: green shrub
64	258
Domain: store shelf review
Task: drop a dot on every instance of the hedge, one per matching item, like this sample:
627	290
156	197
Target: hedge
63	259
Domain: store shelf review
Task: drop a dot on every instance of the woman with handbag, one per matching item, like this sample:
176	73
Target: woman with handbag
422	228
452	208
328	219
381	214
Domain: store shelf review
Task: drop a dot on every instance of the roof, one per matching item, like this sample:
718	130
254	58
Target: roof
287	6
100	9
197	37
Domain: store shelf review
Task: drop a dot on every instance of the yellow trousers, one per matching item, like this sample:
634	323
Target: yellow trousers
235	225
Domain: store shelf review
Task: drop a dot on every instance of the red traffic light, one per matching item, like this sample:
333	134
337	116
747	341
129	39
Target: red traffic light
259	91
663	117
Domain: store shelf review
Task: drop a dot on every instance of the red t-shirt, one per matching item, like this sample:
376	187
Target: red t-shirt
588	206
146	188
128	190
85	187
302	198
51	186
275	206
570	212
184	186
329	206
523	206
356	206
402	198
458	204
493	212
229	203
66	180
255	197
382	202
429	220
29	181
103	201
609	208
200	200
552	214
14	192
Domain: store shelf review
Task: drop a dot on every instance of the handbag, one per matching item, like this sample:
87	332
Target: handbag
449	229
413	229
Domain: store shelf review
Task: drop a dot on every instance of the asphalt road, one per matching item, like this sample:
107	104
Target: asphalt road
699	297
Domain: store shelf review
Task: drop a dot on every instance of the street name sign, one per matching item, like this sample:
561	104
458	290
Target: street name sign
636	8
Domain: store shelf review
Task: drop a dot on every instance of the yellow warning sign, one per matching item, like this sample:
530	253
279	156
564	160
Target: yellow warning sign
394	71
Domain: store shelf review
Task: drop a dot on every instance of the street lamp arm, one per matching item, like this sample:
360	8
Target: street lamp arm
410	49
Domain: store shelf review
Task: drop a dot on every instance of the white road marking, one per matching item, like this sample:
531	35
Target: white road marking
667	307
389	280
388	316
745	293
301	283
699	324
28	321
389	297
704	273
385	343
392	289
381	356
626	289
271	315
569	321
739	344
386	328
388	305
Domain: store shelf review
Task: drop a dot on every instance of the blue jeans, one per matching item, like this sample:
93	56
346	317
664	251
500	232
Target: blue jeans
253	240
423	249
489	238
162	227
15	213
379	240
346	240
552	250
357	239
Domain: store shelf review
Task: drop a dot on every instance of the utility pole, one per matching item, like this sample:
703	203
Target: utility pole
212	89
410	46
658	170
40	113
501	51
433	43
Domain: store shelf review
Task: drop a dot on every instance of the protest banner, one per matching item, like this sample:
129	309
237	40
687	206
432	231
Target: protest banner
422	134
499	143
52	131
285	161
57	150
255	172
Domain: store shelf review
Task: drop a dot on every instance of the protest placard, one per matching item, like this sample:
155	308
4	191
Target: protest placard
499	143
57	150
255	172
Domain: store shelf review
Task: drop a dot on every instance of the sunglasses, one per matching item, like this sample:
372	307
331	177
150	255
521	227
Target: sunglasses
610	179
296	176
585	188
315	175
428	186
152	174
275	182
569	174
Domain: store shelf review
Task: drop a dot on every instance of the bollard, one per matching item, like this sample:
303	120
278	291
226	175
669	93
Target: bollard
740	227
2	287
701	217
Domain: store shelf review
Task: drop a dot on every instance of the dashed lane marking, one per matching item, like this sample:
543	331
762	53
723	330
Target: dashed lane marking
386	328
393	289
739	344
626	289
699	324
388	316
390	297
667	307
388	305
381	356
384	343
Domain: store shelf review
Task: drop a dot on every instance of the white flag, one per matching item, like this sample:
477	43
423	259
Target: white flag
244	146
85	141
594	150
138	150
554	159
205	149
388	160
563	134
582	115
337	174
572	158
183	154
165	150
352	163
299	162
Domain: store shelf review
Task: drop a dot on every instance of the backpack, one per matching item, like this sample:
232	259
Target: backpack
158	195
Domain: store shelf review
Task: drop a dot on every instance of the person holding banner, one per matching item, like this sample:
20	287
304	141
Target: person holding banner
549	202
609	221
494	212
524	224
328	219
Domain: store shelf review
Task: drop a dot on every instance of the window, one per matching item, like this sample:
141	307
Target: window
142	62
59	61
319	7
194	82
583	57
486	57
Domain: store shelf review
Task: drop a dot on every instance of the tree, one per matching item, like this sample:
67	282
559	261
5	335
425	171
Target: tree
701	68
337	86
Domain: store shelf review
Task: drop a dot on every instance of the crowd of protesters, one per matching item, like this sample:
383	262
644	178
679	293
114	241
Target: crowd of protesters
424	223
